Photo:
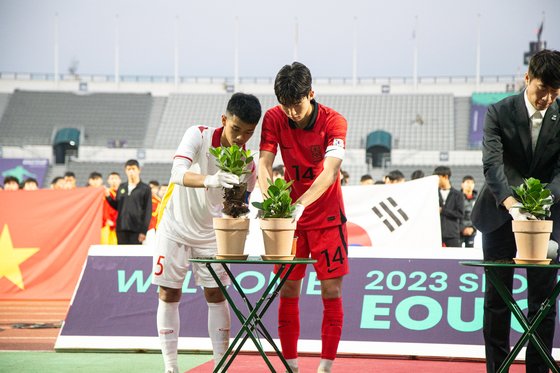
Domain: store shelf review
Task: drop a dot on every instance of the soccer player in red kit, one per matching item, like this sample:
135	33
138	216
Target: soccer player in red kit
312	144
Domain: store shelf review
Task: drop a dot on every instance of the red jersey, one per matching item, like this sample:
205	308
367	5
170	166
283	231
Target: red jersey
109	213
303	152
155	204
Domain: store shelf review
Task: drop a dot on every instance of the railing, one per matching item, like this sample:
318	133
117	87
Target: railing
168	79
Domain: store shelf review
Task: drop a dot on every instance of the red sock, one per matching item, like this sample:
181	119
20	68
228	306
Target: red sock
288	326
333	316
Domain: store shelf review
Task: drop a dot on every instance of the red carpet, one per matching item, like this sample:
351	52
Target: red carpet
255	364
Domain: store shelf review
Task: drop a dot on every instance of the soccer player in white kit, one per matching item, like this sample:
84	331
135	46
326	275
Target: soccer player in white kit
185	231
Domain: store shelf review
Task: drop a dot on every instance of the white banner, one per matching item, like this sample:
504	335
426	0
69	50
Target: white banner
391	216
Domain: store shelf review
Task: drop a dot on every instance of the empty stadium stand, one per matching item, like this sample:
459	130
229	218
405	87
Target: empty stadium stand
105	118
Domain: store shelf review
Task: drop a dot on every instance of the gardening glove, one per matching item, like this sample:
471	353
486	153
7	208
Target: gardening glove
517	213
298	212
221	179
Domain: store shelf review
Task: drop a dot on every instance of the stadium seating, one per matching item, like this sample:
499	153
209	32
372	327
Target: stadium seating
104	119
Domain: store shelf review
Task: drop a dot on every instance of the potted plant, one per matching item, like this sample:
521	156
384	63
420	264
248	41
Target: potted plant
277	222
231	229
532	235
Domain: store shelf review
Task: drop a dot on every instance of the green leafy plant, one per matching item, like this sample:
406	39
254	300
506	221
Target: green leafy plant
232	159
277	202
534	198
235	160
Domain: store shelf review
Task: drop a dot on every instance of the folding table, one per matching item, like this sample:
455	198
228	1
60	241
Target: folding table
529	326
252	322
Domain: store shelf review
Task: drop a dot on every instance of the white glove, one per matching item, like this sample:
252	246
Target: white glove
517	214
298	212
221	179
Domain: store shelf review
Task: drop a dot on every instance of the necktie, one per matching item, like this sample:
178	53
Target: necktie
536	121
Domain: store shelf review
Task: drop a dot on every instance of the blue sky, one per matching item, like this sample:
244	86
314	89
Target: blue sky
446	33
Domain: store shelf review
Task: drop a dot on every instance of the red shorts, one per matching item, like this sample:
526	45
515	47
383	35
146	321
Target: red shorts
328	246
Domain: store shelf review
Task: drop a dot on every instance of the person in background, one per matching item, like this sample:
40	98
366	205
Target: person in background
366	180
162	190
69	180
30	184
11	183
95	180
468	231
344	177
521	140
156	200
108	231
134	206
394	177
451	207
417	174
154	186
57	183
312	139
278	172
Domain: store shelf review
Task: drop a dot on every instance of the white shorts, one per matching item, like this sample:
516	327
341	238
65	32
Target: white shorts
171	264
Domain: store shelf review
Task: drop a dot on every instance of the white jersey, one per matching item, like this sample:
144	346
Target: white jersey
188	213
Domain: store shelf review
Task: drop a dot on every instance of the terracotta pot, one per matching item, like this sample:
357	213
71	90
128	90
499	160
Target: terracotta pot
231	234
531	238
278	235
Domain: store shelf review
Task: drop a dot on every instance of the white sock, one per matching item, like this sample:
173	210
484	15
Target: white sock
325	366
168	330
219	323
293	363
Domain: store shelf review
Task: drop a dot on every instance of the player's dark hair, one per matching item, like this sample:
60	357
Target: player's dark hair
468	177
245	106
442	171
69	174
545	65
132	162
292	84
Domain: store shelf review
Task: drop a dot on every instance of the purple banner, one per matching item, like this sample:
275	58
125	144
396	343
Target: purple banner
478	113
24	169
385	300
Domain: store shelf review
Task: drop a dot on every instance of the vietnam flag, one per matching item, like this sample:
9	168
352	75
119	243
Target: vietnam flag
44	240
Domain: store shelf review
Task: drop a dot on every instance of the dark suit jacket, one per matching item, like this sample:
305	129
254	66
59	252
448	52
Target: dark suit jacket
451	214
508	158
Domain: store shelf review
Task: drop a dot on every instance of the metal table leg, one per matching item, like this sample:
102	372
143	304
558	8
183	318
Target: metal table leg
254	320
529	327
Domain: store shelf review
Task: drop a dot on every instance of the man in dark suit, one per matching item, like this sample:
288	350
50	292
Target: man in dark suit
521	140
451	208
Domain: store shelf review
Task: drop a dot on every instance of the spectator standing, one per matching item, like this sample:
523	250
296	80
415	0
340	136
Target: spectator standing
312	139
520	140
417	174
278	172
11	183
95	180
345	177
394	177
30	184
108	231
451	207
468	231
58	183
366	180
134	205
69	180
